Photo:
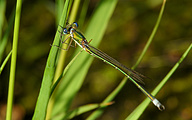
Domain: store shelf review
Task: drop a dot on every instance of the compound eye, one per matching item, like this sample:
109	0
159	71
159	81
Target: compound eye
75	24
65	31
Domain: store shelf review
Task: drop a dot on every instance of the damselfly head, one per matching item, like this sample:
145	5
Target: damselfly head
69	27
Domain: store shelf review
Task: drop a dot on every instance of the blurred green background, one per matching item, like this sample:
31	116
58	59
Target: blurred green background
125	37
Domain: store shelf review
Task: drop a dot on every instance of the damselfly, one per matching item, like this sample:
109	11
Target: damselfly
132	75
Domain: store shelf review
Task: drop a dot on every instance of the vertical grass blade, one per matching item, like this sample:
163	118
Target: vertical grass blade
59	10
62	57
13	60
44	95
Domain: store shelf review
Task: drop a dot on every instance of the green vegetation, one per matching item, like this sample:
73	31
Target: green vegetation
153	37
